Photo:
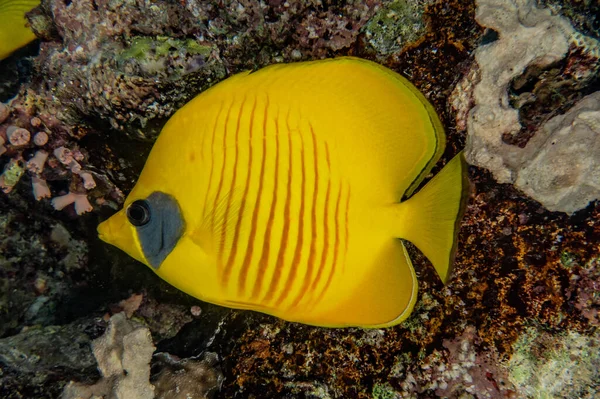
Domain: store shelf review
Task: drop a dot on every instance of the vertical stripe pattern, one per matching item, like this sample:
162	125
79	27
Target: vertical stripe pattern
281	209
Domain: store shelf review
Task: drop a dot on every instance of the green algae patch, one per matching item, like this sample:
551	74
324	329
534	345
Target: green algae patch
384	391
545	365
144	47
396	25
164	56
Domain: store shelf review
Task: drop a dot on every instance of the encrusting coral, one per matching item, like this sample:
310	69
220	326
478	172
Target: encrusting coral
187	378
123	354
557	166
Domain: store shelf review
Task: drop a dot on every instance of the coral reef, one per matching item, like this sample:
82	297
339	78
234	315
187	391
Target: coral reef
532	40
123	354
164	320
461	368
128	66
35	148
110	72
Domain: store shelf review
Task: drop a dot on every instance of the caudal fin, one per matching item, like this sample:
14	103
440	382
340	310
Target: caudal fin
430	219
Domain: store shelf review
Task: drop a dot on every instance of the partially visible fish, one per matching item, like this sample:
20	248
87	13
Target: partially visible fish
278	191
14	30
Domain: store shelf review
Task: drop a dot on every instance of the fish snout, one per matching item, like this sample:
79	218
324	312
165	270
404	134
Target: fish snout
113	229
104	231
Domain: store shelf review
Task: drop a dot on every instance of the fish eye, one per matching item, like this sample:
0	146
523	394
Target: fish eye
138	213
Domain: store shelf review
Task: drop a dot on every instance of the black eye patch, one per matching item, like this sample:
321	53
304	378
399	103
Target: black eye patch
159	224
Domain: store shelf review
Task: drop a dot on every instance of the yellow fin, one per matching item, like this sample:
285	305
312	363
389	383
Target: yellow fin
14	32
430	219
385	297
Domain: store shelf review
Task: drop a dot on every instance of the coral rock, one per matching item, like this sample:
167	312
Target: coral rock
562	365
188	378
529	38
564	173
123	354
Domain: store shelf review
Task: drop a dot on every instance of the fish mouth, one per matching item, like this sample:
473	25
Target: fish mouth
103	230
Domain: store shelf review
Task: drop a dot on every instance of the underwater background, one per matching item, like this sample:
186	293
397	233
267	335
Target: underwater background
516	84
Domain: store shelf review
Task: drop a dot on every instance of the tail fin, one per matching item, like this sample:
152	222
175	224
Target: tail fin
430	219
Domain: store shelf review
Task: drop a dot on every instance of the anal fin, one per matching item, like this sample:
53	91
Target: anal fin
385	296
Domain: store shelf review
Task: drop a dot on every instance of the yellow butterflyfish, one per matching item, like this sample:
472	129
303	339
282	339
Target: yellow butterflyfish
279	191
14	30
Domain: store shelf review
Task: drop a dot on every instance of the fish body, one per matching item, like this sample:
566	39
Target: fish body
278	191
14	32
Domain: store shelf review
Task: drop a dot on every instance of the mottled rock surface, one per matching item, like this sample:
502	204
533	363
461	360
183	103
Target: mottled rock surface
43	355
530	40
562	165
123	354
187	378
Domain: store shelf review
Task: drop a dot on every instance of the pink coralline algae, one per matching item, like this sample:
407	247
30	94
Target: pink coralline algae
464	367
585	288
